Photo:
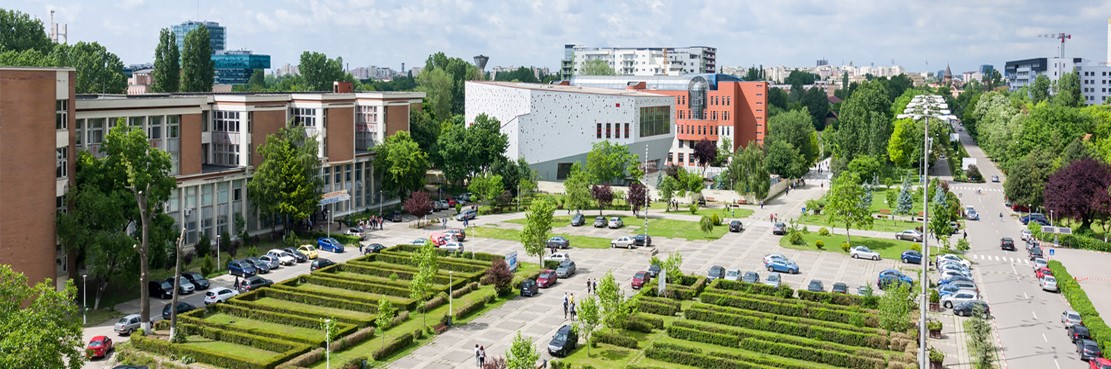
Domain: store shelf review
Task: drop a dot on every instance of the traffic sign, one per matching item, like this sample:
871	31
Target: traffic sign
1050	252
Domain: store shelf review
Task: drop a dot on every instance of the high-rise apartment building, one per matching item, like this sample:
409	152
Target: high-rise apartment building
641	61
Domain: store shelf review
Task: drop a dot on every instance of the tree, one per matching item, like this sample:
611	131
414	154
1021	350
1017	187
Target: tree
894	308
522	353
422	282
798	78
401	163
784	160
167	63
607	162
816	103
197	68
667	188
454	153
40	327
603	195
1068	90
438	86
22	32
538	228
487	187
706	224
868	167
846	203
637	196
590	316
98	70
459	70
794	127
672	266
939	220
777	98
1026	183
596	67
287	184
257	82
419	204
1079	191
319	72
384	317
577	188
749	173
178	250
906	201
1039	90
486	142
865	122
705	152
900	147
500	276
689	182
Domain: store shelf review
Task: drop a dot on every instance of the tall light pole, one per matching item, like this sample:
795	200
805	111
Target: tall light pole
84	300
217	250
646	194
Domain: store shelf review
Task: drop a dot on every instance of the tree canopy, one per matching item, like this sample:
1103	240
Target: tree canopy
1079	191
596	67
401	163
608	162
319	72
166	76
784	160
40	327
287	183
794	127
197	68
865	122
22	32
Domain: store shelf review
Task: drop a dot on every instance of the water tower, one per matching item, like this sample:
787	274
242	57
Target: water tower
480	62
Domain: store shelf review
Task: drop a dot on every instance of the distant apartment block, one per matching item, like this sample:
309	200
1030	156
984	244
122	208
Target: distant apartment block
641	61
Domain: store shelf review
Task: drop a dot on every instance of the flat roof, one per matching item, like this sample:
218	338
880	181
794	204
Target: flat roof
54	69
568	89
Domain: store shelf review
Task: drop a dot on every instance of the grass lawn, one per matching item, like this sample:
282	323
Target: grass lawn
230	349
667	228
341	292
577	241
888	249
879	225
268	329
319	310
740	212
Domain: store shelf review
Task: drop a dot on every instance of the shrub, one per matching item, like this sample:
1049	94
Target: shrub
691	334
638	326
653	307
1080	302
652	321
693	208
811	354
499	275
821	245
471	307
603	336
845	246
204	245
823	231
831	298
761	289
716	219
395	344
795	237
440	299
801	329
203	354
798	309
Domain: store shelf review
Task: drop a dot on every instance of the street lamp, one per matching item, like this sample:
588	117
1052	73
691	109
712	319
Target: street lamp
217	250
84	300
380	204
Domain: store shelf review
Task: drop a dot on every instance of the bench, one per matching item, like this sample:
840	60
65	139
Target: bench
440	328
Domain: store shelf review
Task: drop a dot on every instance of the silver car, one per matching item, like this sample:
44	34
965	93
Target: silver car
773	280
733	275
185	287
127	324
270	261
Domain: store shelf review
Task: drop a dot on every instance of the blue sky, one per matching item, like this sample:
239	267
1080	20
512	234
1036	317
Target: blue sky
964	34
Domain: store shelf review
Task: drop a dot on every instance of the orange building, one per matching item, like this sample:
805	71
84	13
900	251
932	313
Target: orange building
712	107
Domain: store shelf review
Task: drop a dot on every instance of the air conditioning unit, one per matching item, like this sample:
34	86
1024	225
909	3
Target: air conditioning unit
188	212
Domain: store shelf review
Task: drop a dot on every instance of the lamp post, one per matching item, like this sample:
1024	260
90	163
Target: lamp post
646	194
84	300
217	249
380	204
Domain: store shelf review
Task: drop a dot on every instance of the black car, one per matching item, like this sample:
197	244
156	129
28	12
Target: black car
654	270
1088	349
372	248
529	288
578	219
751	277
968	308
261	266
715	273
1007	243
320	263
840	288
299	256
702	201
196	279
1078	332
736	226
253	283
642	240
816	286
600	222
1035	252
160	289
779	229
395	217
564	341
181	308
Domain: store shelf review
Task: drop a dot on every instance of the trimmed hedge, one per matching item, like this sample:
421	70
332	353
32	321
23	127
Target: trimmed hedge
652	307
831	298
331	302
459	292
603	336
252	305
794	319
352	339
790	309
457	264
760	289
486	257
1079	301
356	285
724	360
654	322
201	354
1075	241
268	316
701	331
811	354
472	307
698	335
364	297
240	338
395	344
434	302
790	328
789	300
637	326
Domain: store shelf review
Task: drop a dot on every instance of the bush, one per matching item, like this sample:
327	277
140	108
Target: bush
353	338
394	345
499	275
1080	302
697	335
768	305
207	265
654	322
795	237
762	289
204	354
204	245
471	307
845	246
603	336
638	326
440	299
651	306
716	219
821	245
811	354
823	231
801	329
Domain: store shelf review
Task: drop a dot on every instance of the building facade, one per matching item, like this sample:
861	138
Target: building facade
217	34
236	67
1021	73
714	107
641	61
554	126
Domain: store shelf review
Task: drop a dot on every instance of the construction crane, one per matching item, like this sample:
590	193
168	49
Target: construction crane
1060	36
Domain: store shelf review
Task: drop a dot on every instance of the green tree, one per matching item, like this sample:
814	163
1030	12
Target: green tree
905	202
900	145
98	70
438	86
894	308
868	167
538	228
487	187
40	327
454	153
667	188
846	203
197	67
577	188
794	127
287	184
865	122
522	353
607	162
672	266
425	132
777	97
798	78
816	103
749	174
1025	184
401	163
1068	90
706	224
486	142
596	67
1039	90
616	308
319	72
422	282
784	160
939	220
590	316
257	82
384	317
459	70
22	32
167	63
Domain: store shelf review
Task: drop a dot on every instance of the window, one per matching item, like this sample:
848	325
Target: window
61	114
225	121
366	127
80	132
96	131
626	130
655	120
225	154
172	124
680	158
608	130
725	115
61	167
60	204
728	100
303	116
599	134
154	128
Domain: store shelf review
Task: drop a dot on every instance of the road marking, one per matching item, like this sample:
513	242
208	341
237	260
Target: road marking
1035	315
1015	270
1055	363
1028	297
1044	339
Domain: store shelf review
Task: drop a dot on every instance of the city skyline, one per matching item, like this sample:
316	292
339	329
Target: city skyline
919	36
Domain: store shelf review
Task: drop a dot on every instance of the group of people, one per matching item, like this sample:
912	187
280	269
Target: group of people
569	306
480	355
372	223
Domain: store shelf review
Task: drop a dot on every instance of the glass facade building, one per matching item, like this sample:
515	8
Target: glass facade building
216	34
235	67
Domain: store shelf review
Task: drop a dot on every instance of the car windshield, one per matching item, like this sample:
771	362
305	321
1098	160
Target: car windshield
733	273
96	344
773	278
546	275
122	321
865	249
1073	316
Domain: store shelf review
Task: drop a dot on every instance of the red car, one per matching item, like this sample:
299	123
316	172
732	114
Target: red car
1099	363
640	279
99	346
451	202
547	278
1042	272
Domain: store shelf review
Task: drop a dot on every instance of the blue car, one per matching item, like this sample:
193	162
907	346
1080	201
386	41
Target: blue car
241	268
892	276
1036	218
911	257
783	266
329	244
952	279
949	289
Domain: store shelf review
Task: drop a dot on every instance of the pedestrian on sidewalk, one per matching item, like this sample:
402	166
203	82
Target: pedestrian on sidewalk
595	286
573	312
481	356
761	204
477	357
565	305
360	248
588	286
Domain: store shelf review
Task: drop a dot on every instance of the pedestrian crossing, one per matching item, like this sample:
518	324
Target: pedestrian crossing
969	188
1004	259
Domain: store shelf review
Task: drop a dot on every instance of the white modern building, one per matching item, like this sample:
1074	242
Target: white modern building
554	126
1021	73
641	61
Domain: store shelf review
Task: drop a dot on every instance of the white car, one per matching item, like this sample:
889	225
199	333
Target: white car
354	231
1026	234
1040	263
861	252
958	297
909	235
952	265
1048	283
283	256
769	257
941	258
951	273
616	222
559	256
624	241
733	275
219	294
454	246
1071	318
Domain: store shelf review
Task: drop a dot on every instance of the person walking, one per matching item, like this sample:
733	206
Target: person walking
588	286
572	300
595	286
481	356
477	357
565	306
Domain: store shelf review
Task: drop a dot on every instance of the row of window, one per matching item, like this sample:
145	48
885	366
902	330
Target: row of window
654	121
613	131
225	121
303	116
62	165
91	131
684	114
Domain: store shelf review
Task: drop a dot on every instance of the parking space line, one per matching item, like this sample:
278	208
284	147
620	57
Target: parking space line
1035	315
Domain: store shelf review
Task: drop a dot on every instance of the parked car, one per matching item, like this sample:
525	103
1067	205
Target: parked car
960	296
840	287
943	257
329	244
640	279
995	179
1026	235
466	214
1042	272
702	201
1078	332
733	275
951	272
566	269
396	216
773	280
891	276
453	246
418	242
298	256
1007	243
261	266
283	257
197	279
909	235
320	263
783	266
1070	318
950	289
578	220
547	278
355	232
218	295
653	270
968	308
624	241
309	251
184	286
563	342
1099	363
271	261
441	205
642	240
1088	349
1034	217
529	288
99	347
971	214
438	238
241	268
161	289
1048	283
771	257
815	286
256	282
182	307
1040	263
751	277
373	248
559	256
911	257
736	226
615	223
779	229
1035	253
458	233
559	242
600	222
126	325
861	252
715	272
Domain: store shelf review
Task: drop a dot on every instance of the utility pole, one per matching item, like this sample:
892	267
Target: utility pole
177	283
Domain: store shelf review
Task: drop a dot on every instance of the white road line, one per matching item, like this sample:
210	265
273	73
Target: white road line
1035	315
1015	270
1028	297
1044	339
1055	363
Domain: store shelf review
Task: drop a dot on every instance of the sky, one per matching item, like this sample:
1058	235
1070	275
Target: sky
916	34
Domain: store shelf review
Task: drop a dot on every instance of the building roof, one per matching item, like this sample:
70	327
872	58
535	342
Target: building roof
652	82
569	89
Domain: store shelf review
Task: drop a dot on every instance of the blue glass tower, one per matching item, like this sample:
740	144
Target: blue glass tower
216	34
236	67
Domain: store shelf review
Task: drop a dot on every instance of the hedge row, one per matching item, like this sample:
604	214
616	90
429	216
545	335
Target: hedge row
406	259
364	297
268	316
789	300
811	354
395	344
348	340
791	328
375	269
1076	241
434	302
252	305
654	322
331	302
472	307
487	257
791	309
760	289
355	274
760	334
696	359
653	307
357	286
241	338
842	299
782	318
698	335
201	354
459	292
740	356
638	326
1079	301
603	336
